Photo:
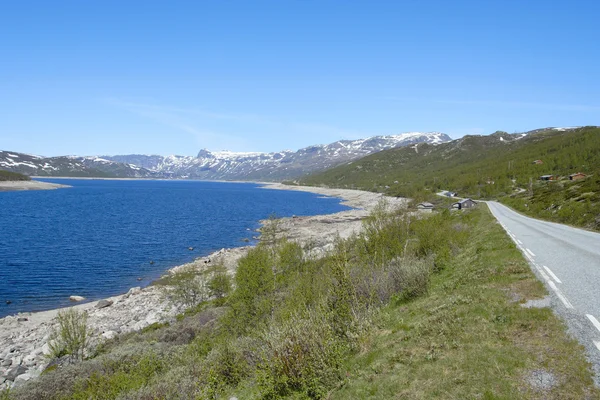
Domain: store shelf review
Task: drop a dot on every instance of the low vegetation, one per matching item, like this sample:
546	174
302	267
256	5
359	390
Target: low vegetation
12	176
72	335
412	308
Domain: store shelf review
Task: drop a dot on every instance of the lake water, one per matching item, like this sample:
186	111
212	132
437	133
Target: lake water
99	237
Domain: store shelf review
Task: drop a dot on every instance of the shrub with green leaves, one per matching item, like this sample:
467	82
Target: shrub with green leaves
302	355
253	298
186	287
72	335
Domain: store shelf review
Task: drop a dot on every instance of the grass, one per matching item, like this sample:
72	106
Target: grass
469	338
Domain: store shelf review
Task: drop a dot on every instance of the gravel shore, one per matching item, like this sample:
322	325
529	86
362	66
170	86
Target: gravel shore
24	337
6	186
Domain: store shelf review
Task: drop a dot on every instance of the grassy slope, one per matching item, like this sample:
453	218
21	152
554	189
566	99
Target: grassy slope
12	176
471	164
470	338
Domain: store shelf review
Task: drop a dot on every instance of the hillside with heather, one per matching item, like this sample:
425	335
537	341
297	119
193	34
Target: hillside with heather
505	166
12	176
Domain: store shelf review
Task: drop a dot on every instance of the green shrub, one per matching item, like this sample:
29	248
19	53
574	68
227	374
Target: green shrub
226	366
186	287
71	336
219	285
302	355
253	298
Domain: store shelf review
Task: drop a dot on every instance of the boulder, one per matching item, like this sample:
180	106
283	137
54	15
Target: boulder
104	303
29	360
133	291
15	371
46	349
6	363
22	319
76	298
109	335
21	379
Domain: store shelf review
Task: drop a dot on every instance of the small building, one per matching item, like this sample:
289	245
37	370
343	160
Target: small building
425	207
548	177
464	203
577	176
538	162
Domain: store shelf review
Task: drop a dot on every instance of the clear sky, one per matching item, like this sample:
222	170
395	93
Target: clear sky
172	77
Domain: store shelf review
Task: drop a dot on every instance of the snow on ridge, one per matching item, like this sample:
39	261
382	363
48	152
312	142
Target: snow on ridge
564	128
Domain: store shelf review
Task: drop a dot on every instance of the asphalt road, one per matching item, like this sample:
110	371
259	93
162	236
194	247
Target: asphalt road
568	261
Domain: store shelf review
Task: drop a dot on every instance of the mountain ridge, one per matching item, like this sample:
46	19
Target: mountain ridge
273	166
214	165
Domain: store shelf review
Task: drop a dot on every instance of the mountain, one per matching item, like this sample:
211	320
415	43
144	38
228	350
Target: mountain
276	166
70	166
222	165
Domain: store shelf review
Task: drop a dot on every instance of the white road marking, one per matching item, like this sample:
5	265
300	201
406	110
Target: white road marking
562	297
594	321
518	241
530	252
552	274
597	344
542	273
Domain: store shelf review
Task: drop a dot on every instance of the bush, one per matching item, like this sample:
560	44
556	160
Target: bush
219	285
72	335
186	287
226	367
302	355
252	299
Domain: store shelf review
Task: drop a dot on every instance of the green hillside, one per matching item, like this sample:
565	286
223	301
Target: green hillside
12	176
500	166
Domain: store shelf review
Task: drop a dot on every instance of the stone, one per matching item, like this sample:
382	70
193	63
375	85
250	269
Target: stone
46	349
76	298
15	371
36	352
104	303
29	361
109	335
22	319
6	363
133	291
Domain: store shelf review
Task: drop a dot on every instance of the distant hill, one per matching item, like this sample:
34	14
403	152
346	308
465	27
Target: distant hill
12	176
72	166
500	165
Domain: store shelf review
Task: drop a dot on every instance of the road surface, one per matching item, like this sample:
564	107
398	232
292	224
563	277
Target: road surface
568	261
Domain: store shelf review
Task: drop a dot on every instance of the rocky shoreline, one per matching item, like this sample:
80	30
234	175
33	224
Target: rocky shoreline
24	337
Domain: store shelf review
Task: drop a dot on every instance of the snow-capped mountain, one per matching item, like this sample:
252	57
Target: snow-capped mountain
69	166
209	165
281	165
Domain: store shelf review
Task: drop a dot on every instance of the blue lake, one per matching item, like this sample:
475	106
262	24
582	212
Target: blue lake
98	238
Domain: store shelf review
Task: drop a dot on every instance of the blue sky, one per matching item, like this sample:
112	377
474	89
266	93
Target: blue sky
172	77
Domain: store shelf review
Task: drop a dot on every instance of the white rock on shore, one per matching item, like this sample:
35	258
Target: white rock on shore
24	337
